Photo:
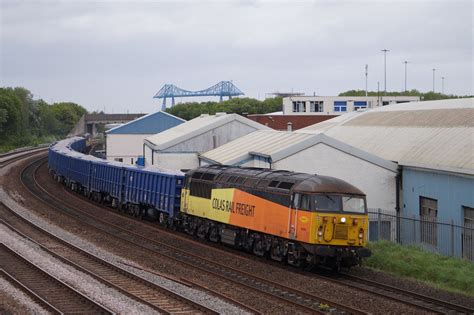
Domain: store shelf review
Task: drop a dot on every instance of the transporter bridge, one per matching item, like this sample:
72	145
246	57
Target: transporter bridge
221	89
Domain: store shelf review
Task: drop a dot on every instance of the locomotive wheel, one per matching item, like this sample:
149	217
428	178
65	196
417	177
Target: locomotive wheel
258	247
214	233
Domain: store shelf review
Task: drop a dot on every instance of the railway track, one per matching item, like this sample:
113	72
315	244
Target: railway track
390	292
49	291
137	288
9	158
298	300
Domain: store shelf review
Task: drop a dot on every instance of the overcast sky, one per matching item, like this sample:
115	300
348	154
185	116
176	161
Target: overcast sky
117	54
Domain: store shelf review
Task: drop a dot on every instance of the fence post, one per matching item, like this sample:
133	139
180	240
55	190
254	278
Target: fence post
379	223
414	229
452	237
398	238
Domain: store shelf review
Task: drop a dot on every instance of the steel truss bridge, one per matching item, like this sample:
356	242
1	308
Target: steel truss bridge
221	89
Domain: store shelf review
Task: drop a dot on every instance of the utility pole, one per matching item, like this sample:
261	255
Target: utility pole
434	70
378	93
442	85
385	69
366	75
406	62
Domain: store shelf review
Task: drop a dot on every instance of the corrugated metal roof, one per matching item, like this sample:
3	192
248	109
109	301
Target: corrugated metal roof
263	141
277	145
435	134
148	124
196	127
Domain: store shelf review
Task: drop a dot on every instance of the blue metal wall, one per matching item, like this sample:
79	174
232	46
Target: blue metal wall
451	191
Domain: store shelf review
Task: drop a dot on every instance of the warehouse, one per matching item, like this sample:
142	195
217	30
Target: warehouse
179	147
125	142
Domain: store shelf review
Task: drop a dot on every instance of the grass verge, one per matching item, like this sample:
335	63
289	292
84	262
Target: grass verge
448	273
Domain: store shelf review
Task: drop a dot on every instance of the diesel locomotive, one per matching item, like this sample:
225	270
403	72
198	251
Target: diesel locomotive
297	218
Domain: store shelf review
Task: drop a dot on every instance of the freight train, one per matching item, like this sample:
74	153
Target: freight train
296	218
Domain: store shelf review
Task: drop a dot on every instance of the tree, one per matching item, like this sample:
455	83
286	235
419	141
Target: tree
242	106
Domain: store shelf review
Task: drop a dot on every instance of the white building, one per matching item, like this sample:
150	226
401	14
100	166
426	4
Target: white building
179	147
337	105
124	143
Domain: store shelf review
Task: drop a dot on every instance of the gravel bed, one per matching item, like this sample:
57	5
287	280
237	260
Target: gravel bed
193	294
87	285
14	301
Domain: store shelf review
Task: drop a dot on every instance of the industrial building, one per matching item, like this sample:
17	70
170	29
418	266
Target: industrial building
124	143
338	105
179	147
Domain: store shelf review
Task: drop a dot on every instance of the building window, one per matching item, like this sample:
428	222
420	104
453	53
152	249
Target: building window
385	103
118	160
468	233
316	106
360	105
428	221
299	106
340	106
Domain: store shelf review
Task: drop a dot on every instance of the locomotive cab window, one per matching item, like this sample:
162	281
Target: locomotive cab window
353	204
327	203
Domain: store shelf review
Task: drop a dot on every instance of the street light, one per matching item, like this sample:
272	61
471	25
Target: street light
385	69
406	62
434	70
442	85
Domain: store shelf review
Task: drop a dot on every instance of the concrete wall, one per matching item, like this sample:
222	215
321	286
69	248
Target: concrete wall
123	146
176	161
372	102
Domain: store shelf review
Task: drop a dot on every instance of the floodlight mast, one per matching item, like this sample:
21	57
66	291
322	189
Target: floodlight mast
385	70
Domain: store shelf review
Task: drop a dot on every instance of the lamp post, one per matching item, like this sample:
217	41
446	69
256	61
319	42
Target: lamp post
434	71
442	85
385	69
406	62
366	74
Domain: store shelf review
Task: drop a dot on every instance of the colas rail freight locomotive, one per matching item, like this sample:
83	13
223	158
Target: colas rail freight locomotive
302	219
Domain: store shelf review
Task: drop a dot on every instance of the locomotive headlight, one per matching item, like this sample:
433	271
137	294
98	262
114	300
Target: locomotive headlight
343	220
361	235
320	233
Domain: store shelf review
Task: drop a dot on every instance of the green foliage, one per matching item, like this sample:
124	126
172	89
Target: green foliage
240	106
410	261
24	121
428	96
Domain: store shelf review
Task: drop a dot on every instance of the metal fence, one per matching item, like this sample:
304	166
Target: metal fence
430	233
